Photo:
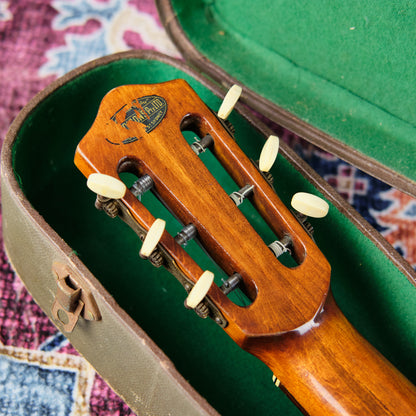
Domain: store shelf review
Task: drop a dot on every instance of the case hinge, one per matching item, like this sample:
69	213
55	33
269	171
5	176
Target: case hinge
72	299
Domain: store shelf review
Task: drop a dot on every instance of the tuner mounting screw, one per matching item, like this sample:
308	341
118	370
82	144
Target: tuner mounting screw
219	321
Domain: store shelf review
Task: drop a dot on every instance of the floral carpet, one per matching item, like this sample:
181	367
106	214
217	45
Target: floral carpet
40	40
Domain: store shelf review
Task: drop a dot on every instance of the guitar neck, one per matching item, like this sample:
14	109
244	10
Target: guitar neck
327	367
330	369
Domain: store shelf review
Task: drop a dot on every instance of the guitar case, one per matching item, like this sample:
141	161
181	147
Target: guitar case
128	318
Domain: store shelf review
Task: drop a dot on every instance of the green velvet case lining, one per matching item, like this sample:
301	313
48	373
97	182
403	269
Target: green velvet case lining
373	294
346	68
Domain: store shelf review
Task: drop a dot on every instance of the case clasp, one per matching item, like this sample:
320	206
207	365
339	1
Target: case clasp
72	300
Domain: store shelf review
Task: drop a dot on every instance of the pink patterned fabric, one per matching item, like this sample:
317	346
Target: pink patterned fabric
41	40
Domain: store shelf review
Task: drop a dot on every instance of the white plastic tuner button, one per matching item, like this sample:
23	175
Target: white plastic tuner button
310	205
200	290
106	185
152	238
269	153
230	100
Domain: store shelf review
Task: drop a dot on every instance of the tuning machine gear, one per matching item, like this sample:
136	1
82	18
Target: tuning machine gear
109	206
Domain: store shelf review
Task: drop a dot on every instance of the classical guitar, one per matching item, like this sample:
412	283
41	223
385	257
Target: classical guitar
292	323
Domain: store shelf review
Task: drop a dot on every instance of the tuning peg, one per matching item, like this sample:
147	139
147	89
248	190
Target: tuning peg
229	102
281	246
200	290
152	238
142	185
106	185
199	146
310	205
239	196
231	283
269	153
185	235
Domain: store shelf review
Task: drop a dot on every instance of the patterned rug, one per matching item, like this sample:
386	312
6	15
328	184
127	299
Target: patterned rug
40	40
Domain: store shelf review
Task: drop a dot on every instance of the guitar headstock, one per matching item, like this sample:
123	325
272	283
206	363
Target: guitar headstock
138	129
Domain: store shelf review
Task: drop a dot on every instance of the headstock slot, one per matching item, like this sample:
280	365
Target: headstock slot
161	206
138	168
194	248
248	209
243	172
289	296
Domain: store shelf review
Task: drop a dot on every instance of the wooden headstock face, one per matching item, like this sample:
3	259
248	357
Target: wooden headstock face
138	129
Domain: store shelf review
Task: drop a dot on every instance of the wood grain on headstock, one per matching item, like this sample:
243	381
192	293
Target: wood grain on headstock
290	297
293	324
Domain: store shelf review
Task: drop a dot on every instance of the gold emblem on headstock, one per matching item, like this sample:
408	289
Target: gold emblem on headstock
149	111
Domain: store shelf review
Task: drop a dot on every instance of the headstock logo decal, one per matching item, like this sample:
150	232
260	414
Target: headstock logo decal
149	111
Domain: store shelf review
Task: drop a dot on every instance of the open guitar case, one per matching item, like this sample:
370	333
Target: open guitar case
327	74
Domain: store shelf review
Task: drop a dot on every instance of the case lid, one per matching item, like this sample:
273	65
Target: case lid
36	202
341	75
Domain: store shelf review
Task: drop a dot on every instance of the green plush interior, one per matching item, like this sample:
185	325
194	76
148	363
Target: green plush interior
372	293
346	68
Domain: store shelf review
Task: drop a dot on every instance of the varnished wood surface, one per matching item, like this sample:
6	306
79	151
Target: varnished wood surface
322	362
329	369
287	296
